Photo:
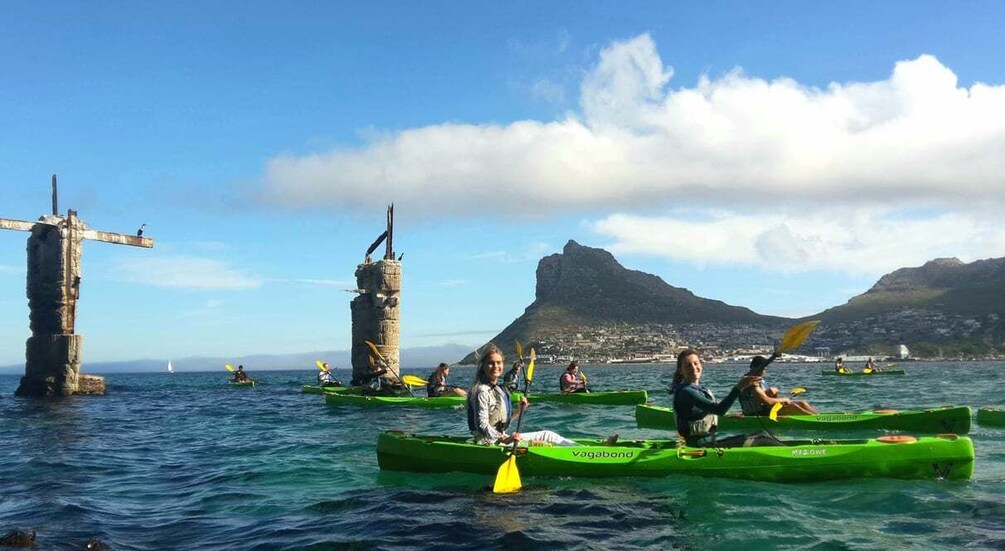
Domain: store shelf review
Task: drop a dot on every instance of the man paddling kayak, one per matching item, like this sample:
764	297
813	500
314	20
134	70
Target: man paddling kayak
759	398
438	386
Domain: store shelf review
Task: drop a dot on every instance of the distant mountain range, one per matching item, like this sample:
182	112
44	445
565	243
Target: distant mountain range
943	308
419	358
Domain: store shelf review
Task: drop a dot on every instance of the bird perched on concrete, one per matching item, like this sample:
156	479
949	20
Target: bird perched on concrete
139	232
400	256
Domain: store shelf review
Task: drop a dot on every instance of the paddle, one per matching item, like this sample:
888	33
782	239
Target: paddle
387	365
320	365
519	350
413	380
229	367
508	476
796	391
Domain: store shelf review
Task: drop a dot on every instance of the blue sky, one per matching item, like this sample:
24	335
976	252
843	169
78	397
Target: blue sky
777	156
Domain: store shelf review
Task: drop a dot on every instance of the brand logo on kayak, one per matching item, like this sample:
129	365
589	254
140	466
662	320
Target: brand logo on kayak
836	418
804	453
604	455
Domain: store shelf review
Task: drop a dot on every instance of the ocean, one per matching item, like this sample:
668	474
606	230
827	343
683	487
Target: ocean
184	461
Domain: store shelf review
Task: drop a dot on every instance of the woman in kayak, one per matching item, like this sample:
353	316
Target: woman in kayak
696	409
438	386
759	398
871	367
490	410
571	381
326	377
240	376
839	366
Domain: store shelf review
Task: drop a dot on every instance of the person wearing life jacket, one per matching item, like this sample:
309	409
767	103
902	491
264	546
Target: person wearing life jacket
870	367
571	381
759	398
240	376
514	377
490	410
437	385
697	411
326	377
839	366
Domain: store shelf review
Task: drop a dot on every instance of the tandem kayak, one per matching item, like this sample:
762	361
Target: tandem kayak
991	417
621	397
610	398
244	384
952	419
939	457
864	374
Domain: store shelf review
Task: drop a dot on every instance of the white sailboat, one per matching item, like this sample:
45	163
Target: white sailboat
170	369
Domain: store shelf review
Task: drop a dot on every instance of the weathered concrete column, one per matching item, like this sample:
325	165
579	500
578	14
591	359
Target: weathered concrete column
376	316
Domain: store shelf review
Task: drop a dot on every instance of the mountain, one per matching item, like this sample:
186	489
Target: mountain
945	304
584	286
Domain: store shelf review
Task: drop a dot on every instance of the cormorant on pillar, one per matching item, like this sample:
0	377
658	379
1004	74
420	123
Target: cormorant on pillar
400	256
139	232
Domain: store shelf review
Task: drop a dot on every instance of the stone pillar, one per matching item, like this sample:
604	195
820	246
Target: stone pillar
52	353
376	315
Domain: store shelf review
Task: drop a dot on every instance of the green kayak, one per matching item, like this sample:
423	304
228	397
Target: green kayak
863	374
942	457
346	399
244	384
992	417
949	419
621	397
610	398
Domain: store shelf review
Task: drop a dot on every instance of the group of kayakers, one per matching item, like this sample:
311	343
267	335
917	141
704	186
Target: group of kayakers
870	367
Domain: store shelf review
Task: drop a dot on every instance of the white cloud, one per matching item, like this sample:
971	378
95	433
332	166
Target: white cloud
531	253
917	137
863	242
780	164
186	272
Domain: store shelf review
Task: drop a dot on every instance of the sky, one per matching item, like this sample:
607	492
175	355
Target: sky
780	156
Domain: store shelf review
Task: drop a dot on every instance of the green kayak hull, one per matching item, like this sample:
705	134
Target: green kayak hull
944	457
624	397
610	398
315	389
861	374
991	417
949	419
244	384
358	400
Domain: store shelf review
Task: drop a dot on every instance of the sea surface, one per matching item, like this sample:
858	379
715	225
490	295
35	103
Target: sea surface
184	461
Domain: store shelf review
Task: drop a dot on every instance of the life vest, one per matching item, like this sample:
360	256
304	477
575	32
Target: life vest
750	403
704	425
473	406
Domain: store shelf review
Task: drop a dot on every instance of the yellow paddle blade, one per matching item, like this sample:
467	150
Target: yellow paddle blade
229	367
320	365
412	380
891	364
375	351
370	359
530	366
796	335
797	390
583	375
774	411
519	350
508	477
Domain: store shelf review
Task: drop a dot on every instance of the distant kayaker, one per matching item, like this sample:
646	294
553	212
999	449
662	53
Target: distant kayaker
572	381
839	366
870	367
514	377
759	398
490	410
438	386
326	377
240	376
696	409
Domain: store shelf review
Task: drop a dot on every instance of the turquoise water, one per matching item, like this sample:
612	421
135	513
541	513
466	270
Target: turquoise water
184	462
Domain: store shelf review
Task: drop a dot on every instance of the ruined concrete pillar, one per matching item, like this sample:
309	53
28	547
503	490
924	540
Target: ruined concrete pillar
53	352
376	315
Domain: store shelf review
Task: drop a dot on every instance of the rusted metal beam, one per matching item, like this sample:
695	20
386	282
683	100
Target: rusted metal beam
118	238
